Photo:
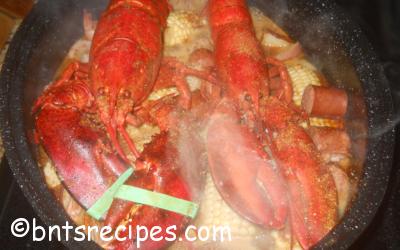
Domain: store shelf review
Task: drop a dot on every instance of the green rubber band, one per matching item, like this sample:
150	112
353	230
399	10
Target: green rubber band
158	200
103	204
142	196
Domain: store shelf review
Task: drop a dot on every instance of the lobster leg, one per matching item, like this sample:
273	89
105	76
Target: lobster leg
74	71
279	80
128	140
174	73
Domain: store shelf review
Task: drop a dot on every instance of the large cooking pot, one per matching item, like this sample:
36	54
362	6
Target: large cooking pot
331	42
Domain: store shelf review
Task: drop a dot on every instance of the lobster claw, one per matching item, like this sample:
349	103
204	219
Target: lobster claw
88	168
161	176
242	172
312	191
171	224
313	205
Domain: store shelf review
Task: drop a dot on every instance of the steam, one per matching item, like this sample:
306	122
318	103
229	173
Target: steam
384	128
191	138
192	156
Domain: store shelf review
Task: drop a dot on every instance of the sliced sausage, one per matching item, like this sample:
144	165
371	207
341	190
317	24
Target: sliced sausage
333	144
325	101
330	140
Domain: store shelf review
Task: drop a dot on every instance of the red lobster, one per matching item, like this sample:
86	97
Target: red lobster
80	116
254	137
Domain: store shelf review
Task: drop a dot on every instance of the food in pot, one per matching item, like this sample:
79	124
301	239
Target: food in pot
209	113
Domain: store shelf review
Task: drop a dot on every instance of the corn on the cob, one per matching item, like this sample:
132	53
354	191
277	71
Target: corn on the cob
322	122
214	212
180	27
301	77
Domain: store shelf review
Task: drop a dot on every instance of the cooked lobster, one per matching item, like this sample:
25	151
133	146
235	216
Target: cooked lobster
81	117
265	162
88	165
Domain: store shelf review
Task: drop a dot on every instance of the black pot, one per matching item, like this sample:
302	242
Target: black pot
330	39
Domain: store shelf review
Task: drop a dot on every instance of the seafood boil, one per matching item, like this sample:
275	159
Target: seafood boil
219	83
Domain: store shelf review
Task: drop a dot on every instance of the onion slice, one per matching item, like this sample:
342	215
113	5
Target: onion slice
292	51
